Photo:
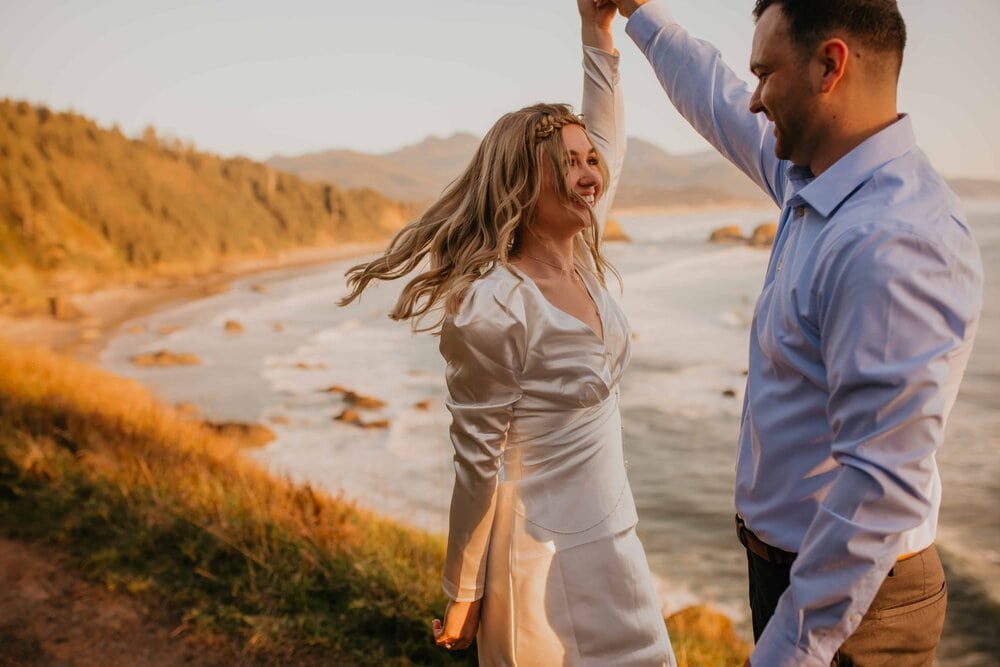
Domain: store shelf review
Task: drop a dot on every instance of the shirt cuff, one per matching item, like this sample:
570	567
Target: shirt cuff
646	21
775	650
458	594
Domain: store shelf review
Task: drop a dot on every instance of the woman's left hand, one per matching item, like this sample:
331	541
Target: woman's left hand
596	17
461	621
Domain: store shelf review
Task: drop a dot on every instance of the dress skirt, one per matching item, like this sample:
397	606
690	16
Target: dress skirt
585	604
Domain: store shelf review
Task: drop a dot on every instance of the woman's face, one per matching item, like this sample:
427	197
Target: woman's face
554	215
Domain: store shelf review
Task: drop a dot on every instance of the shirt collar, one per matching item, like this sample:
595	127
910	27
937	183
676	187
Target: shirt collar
826	192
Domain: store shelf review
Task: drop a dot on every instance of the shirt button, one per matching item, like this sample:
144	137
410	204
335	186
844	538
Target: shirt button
800	211
855	618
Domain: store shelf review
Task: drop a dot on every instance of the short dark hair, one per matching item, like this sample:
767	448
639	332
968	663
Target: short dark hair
877	23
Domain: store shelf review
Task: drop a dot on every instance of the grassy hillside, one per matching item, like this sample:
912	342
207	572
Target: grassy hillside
151	503
81	205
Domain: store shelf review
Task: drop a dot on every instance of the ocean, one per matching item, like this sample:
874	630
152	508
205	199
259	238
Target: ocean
690	304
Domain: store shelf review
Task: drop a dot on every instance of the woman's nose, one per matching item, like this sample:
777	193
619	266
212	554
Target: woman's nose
590	175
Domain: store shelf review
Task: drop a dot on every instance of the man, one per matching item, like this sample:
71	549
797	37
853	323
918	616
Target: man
861	334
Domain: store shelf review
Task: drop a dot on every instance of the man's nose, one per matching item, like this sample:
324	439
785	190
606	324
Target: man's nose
755	104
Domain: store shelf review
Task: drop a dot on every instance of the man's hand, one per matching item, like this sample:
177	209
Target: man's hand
627	7
461	620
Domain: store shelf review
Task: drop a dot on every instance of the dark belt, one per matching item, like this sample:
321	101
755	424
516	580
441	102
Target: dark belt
774	554
760	547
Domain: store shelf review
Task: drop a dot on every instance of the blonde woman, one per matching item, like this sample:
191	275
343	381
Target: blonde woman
543	562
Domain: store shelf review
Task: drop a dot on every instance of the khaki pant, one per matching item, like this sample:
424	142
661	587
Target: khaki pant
902	627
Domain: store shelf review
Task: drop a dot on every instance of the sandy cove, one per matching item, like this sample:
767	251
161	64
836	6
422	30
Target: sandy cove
104	311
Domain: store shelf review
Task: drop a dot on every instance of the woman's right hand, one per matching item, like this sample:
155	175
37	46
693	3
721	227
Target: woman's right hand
461	621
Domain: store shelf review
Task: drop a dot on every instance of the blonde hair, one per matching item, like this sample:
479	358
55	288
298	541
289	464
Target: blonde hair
479	220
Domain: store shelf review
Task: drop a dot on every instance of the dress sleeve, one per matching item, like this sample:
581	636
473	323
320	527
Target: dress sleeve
482	346
604	111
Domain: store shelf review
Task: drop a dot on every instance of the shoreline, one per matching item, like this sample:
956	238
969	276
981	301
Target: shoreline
105	310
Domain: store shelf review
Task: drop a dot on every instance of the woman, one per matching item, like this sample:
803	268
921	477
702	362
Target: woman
543	562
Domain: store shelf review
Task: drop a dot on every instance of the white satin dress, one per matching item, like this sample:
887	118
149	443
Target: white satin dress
542	523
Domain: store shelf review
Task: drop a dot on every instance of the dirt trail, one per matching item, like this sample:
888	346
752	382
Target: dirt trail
51	616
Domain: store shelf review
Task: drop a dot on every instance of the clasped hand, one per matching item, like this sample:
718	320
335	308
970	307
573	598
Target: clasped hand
461	621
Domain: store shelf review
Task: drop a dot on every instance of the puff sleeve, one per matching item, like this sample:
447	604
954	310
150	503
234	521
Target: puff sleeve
483	348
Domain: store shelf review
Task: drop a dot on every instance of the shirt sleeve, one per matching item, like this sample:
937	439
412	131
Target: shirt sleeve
897	317
604	112
709	95
481	346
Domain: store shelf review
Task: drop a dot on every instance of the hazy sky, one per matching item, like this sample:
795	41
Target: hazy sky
260	78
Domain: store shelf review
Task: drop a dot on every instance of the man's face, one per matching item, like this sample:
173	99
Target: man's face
784	91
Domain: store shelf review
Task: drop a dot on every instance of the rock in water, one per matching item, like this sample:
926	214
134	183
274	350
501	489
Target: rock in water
165	358
763	235
613	232
730	233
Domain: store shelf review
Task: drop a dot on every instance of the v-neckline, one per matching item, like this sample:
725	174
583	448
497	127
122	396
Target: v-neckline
586	285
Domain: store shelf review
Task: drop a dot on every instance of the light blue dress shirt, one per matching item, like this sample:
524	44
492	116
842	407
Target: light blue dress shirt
858	344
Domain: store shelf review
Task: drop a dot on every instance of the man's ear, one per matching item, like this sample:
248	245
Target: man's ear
833	55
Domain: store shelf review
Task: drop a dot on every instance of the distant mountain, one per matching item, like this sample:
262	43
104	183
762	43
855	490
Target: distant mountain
413	173
651	177
975	188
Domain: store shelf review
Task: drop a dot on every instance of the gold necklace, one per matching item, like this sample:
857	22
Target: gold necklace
575	274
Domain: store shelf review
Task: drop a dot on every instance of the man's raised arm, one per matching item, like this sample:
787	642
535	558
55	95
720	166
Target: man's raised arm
706	92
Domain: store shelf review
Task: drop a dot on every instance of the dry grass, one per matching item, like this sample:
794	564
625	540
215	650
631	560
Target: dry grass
151	502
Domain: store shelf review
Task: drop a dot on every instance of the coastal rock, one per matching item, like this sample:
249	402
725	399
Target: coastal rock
730	233
729	393
363	402
354	399
423	405
166	329
302	366
62	308
278	327
280	420
706	624
763	235
250	435
187	409
260	289
614	233
165	358
137	329
233	327
353	417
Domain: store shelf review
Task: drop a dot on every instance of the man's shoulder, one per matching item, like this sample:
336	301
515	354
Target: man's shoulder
904	196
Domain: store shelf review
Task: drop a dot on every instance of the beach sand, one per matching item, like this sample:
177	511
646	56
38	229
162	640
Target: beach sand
103	311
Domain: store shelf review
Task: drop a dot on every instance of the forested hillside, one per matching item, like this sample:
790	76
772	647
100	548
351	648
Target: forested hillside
81	206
